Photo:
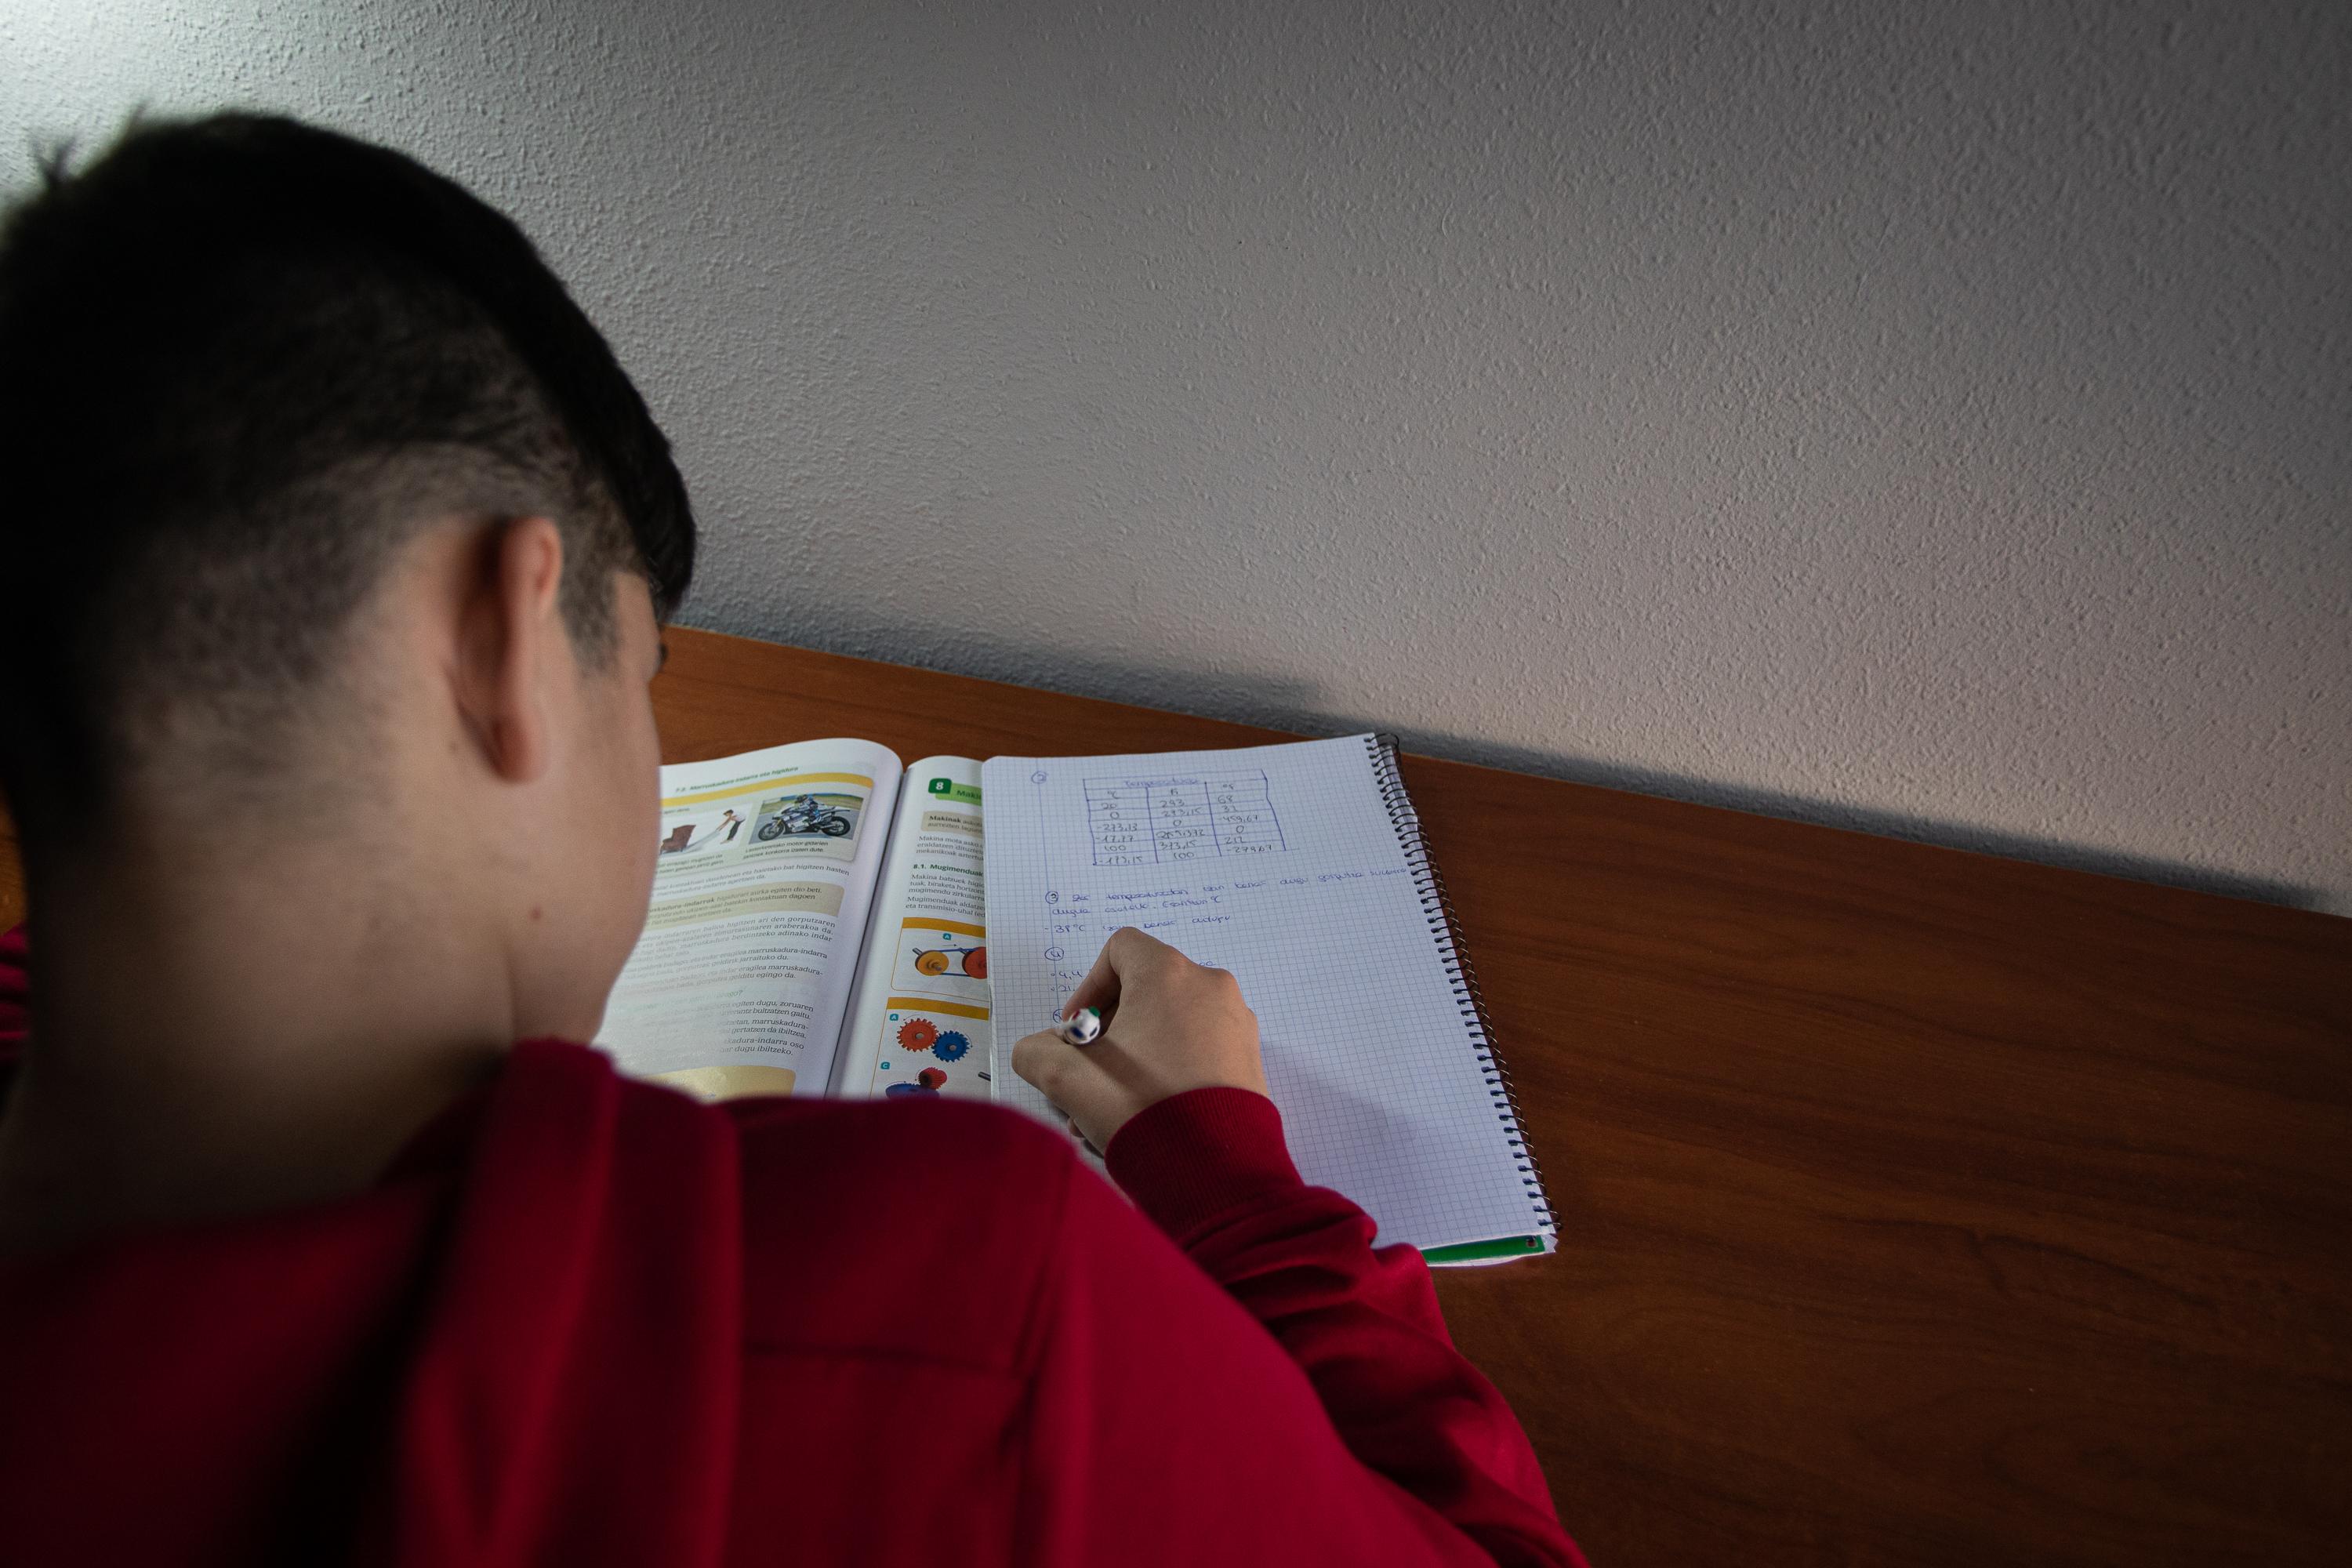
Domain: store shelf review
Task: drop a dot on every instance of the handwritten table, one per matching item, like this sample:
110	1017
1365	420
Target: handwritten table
1194	816
1916	1206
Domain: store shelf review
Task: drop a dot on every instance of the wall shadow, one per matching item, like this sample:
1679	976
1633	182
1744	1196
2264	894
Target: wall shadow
1296	705
1911	826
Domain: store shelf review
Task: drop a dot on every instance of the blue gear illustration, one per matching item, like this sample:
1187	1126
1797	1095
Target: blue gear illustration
950	1046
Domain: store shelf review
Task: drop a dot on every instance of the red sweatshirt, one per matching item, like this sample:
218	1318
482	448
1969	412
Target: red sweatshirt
584	1319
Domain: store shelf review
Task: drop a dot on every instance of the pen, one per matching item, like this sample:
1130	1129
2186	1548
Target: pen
1081	1028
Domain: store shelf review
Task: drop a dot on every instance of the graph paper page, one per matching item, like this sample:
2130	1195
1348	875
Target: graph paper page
1283	865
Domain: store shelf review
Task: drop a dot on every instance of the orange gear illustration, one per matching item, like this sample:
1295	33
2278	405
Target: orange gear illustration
917	1034
975	963
932	962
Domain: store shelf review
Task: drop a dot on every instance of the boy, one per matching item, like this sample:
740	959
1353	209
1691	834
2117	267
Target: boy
339	546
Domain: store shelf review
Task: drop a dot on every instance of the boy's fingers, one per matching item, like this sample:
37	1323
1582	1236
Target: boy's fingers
1062	1073
1127	950
1098	990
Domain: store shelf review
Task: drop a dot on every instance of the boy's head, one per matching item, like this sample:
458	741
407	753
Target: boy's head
313	466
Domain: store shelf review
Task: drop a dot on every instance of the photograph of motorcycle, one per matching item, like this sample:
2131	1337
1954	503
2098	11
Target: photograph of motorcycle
797	815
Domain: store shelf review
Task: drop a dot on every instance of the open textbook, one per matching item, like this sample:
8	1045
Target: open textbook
826	920
813	905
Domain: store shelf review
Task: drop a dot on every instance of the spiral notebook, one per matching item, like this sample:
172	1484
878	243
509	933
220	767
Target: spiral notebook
1303	870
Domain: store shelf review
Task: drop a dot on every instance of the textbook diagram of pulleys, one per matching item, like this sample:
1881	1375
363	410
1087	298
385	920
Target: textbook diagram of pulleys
937	960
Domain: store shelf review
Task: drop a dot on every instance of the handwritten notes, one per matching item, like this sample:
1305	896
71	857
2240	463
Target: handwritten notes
1165	821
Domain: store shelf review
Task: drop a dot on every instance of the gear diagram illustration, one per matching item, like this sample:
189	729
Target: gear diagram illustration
951	1046
917	1034
927	1082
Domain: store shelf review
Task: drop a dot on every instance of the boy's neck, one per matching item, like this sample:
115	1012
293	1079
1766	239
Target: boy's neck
220	1033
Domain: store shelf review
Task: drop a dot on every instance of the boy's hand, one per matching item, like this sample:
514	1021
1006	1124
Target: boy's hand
1169	1024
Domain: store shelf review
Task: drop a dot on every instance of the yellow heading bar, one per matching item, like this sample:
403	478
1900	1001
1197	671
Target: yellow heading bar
760	787
925	1004
958	926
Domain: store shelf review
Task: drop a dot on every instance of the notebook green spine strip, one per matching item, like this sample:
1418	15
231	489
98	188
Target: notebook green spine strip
1479	1251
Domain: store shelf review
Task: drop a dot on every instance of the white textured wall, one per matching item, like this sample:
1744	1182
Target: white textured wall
1932	417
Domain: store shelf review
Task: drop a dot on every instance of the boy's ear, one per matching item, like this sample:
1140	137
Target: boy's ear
510	640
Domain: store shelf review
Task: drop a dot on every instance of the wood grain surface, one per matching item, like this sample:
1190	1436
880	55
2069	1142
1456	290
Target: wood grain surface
1916	1206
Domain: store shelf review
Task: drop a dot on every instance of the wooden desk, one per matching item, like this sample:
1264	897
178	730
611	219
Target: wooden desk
1916	1206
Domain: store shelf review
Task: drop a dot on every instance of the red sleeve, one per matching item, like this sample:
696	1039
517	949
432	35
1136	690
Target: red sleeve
1312	1410
16	991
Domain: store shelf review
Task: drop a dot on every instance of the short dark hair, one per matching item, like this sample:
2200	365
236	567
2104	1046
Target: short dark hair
242	362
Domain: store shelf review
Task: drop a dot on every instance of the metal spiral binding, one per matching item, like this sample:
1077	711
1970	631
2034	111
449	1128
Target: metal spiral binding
1447	927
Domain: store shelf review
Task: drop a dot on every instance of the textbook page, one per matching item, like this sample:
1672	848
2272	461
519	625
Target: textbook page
1288	865
919	1022
761	884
